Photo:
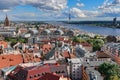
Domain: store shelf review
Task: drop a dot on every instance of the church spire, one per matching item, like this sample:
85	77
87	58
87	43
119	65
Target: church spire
6	22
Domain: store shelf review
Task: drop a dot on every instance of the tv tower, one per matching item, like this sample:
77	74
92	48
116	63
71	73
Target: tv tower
69	14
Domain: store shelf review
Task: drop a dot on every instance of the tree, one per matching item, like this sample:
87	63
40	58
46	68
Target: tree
103	67
22	40
110	71
115	77
79	40
97	44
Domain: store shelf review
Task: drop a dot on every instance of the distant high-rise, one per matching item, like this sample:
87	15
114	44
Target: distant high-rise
115	21
6	22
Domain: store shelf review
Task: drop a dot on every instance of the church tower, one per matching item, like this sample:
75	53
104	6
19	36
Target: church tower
6	22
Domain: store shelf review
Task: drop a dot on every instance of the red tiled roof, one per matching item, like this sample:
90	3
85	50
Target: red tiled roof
46	48
10	60
18	74
37	72
61	39
101	54
4	44
49	76
66	54
72	56
85	44
23	30
30	58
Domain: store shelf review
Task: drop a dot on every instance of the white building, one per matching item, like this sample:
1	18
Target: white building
76	68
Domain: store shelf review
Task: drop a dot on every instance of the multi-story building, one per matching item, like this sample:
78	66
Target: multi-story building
35	72
76	69
112	49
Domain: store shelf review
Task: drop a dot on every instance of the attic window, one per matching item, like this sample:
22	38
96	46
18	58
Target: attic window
36	56
38	74
10	59
31	77
3	58
63	71
35	75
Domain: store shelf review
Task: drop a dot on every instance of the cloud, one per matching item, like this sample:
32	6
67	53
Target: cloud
37	16
8	4
5	10
116	2
80	4
107	4
110	8
41	4
48	4
77	12
90	14
25	16
111	12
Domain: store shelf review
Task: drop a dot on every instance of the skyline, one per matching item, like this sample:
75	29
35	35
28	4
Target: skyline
41	10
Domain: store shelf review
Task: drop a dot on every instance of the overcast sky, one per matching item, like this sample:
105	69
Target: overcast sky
58	9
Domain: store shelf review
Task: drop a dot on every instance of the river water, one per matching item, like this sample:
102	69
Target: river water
92	29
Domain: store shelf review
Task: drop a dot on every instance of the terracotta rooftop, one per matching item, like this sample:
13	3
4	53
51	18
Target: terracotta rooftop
23	30
72	56
85	44
101	54
10	60
66	54
15	59
4	44
46	48
37	72
30	58
49	76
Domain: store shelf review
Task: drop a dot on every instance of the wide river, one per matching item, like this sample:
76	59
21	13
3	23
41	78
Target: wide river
92	29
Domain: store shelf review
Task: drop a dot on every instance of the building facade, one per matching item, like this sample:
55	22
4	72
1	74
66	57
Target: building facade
76	69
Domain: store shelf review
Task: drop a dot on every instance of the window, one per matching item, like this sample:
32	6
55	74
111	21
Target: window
35	75
63	71
73	71
42	73
59	72
31	77
56	71
38	74
73	74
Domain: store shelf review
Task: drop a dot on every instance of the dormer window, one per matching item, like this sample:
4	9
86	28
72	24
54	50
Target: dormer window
31	77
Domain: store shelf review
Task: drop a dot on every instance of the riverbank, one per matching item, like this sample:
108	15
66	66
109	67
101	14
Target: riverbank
90	29
108	24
